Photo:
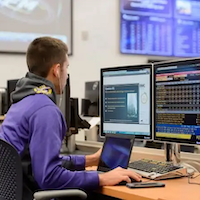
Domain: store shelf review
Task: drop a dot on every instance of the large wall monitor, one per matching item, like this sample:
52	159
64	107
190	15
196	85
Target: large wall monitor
160	27
21	21
177	101
126	101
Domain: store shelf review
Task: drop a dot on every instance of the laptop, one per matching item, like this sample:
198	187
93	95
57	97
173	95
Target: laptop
116	152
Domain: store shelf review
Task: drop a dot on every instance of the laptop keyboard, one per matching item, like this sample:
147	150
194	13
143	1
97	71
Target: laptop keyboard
150	166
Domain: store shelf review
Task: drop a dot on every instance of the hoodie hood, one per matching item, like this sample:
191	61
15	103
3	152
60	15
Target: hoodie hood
32	84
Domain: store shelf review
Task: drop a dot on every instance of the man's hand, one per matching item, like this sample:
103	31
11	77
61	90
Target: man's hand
116	176
93	160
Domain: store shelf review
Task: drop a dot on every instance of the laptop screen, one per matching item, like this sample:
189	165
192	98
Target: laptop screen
116	153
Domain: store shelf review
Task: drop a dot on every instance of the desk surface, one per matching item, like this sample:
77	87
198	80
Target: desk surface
175	189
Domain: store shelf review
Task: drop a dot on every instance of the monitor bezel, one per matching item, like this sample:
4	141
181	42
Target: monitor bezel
134	67
163	64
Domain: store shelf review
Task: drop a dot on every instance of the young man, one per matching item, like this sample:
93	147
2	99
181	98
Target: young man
36	121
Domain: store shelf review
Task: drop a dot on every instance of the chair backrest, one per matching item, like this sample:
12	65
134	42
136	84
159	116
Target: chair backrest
10	173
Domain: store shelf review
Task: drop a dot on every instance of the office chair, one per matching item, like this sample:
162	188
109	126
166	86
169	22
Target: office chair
11	180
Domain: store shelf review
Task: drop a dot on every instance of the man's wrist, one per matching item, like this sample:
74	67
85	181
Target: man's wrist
91	160
101	180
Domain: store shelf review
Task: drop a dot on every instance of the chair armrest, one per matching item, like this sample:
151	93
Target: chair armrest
50	194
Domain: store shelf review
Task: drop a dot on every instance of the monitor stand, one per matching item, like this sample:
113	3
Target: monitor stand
173	154
69	144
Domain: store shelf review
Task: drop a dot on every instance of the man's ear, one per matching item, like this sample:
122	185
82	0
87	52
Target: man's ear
56	70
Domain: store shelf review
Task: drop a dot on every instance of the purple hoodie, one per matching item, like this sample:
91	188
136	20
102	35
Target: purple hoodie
35	119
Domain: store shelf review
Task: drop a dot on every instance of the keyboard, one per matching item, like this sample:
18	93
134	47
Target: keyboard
157	170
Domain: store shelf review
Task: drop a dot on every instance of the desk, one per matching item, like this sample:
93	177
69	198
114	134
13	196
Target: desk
175	189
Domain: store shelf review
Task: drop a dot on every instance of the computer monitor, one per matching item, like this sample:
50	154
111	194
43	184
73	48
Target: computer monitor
69	108
74	117
11	85
3	101
65	106
115	144
176	101
126	101
90	104
76	121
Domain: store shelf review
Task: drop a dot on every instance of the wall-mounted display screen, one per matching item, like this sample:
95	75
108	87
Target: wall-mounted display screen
24	20
160	27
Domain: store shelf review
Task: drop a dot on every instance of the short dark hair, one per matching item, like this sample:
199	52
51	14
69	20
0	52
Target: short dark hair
43	53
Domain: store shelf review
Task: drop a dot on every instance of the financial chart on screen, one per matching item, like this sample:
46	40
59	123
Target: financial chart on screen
21	21
160	27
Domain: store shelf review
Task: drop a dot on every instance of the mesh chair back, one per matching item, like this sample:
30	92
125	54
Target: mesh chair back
10	173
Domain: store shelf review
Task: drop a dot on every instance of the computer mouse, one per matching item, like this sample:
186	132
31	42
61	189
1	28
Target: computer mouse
124	182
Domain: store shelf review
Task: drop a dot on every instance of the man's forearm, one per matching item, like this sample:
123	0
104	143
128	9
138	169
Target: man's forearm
91	160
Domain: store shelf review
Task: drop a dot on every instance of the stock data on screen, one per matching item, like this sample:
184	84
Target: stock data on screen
160	27
177	103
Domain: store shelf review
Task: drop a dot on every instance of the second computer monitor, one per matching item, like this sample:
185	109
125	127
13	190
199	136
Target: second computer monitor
177	98
90	104
126	101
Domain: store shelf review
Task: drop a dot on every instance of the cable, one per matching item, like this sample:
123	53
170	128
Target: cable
61	94
190	164
191	177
